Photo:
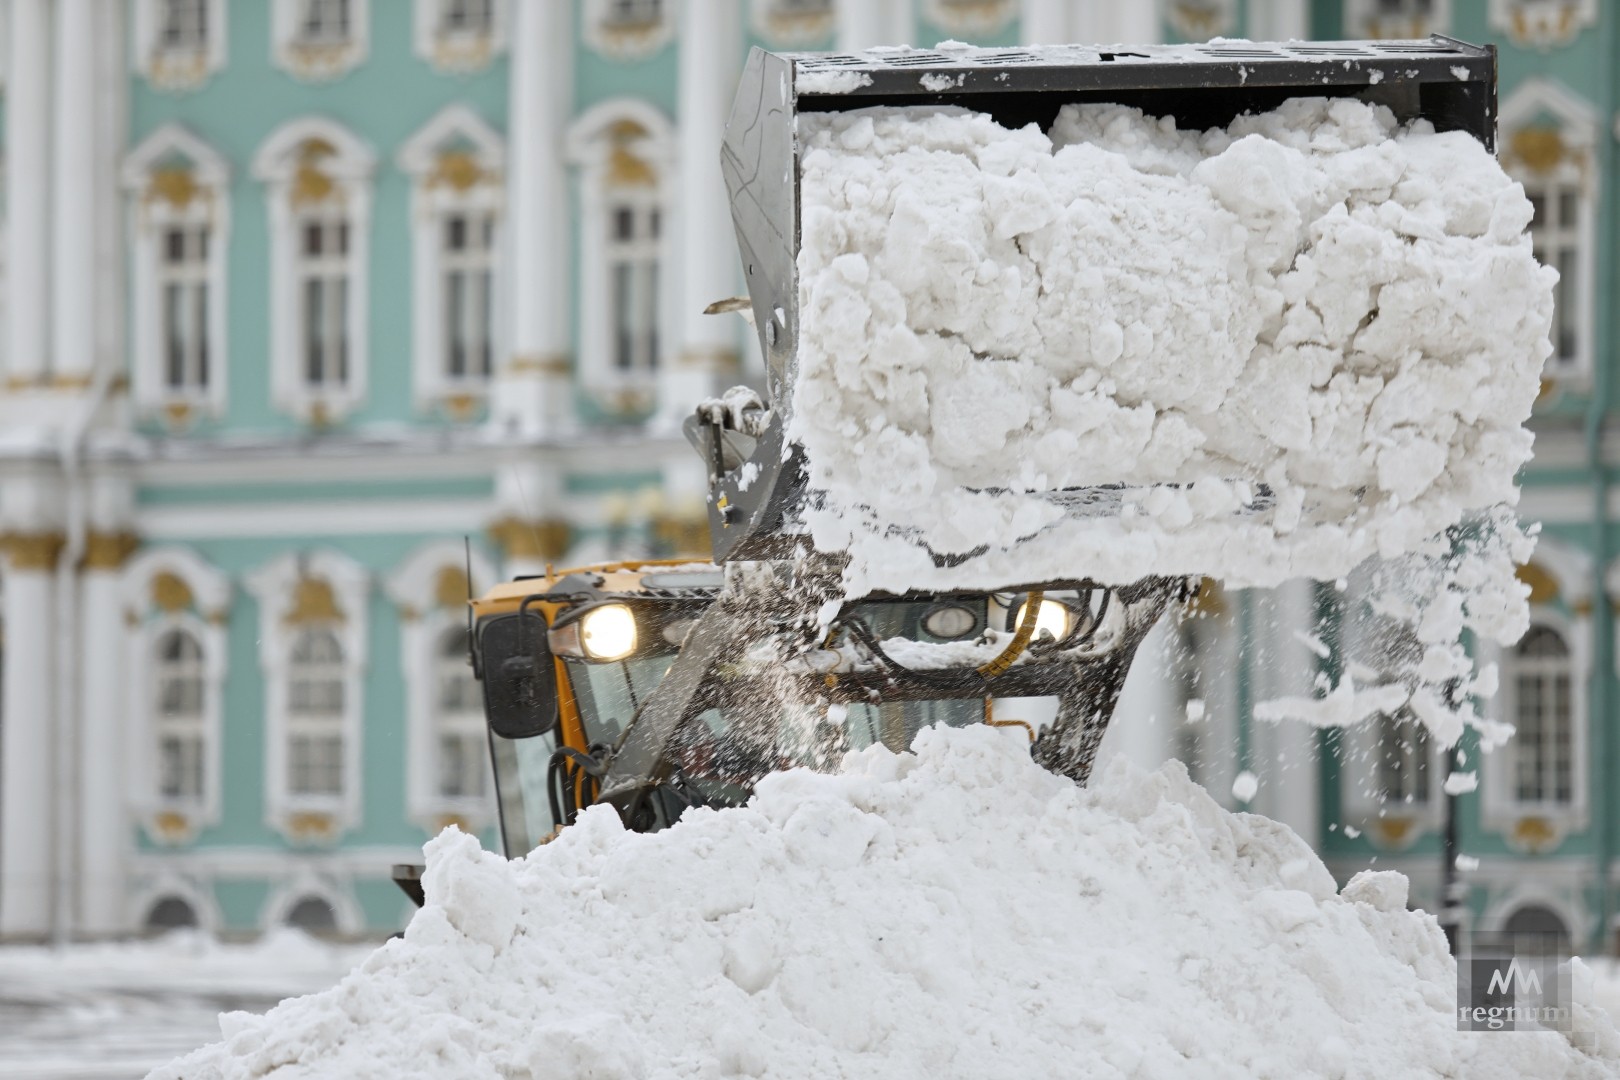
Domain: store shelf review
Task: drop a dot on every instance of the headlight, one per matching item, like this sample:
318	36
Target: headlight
950	622
608	632
1050	616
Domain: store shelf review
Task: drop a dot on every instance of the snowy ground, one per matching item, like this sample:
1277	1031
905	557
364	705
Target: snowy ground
118	1011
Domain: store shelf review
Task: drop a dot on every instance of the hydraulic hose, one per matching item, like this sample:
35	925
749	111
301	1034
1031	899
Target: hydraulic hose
1015	648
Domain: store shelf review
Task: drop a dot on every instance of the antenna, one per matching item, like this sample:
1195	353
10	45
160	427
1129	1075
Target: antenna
466	542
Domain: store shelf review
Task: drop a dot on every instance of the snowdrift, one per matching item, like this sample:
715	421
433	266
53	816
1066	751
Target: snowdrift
1288	345
957	911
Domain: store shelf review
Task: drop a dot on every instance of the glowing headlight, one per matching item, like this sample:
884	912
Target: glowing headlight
608	633
950	621
1051	616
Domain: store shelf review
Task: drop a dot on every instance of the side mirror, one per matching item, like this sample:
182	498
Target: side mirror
520	685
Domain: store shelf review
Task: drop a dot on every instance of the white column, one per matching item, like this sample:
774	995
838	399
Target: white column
1149	708
1292	790
1279	20
104	717
1046	22
865	23
1111	23
704	251
28	836
532	388
73	204
112	136
27	104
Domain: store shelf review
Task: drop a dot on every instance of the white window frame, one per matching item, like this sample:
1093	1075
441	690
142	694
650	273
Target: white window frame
153	212
459	51
317	61
1576	173
186	728
436	196
612	36
210	594
1560	666
343	165
593	148
1362	19
1501	809
176	67
425	618
275	586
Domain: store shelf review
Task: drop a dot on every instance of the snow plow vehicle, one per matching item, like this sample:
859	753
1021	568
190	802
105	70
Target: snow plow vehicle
652	687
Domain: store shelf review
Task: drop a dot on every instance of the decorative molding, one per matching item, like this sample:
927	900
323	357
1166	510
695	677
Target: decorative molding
1542	24
629	31
172	579
1566	902
1403	19
975	18
109	550
454	51
197	894
545	540
457	165
291	590
177	66
788	24
317	60
305	884
316	170
1200	20
32	551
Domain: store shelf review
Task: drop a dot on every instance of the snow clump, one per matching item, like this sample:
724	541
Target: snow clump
955	911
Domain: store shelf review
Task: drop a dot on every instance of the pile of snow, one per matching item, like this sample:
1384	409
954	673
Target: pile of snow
1306	339
956	912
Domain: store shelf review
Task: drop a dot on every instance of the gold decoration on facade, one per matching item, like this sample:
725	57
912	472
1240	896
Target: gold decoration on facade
311	825
1394	830
174	184
1208	601
720	361
451	588
547	539
108	550
629	399
313	601
462	54
796	26
1546	24
170	593
626	168
444	821
177	415
538	364
32	551
311	184
319	415
1535	834
457	170
171	827
461	407
1543	586
1197	20
76	381
1540	147
977	17
177	69
683	534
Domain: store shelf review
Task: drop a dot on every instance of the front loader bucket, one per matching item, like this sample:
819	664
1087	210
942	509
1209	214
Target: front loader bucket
754	499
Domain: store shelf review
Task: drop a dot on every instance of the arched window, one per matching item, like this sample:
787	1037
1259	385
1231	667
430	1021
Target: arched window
628	29
179	189
313	915
456	163
319	39
316	677
1537	929
1549	139
1541	688
319	195
179	43
171	913
1402	767
623	151
180	711
463	749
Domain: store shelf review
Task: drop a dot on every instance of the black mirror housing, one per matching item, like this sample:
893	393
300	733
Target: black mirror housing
520	687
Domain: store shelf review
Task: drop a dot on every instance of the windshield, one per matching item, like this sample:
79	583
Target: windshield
609	693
